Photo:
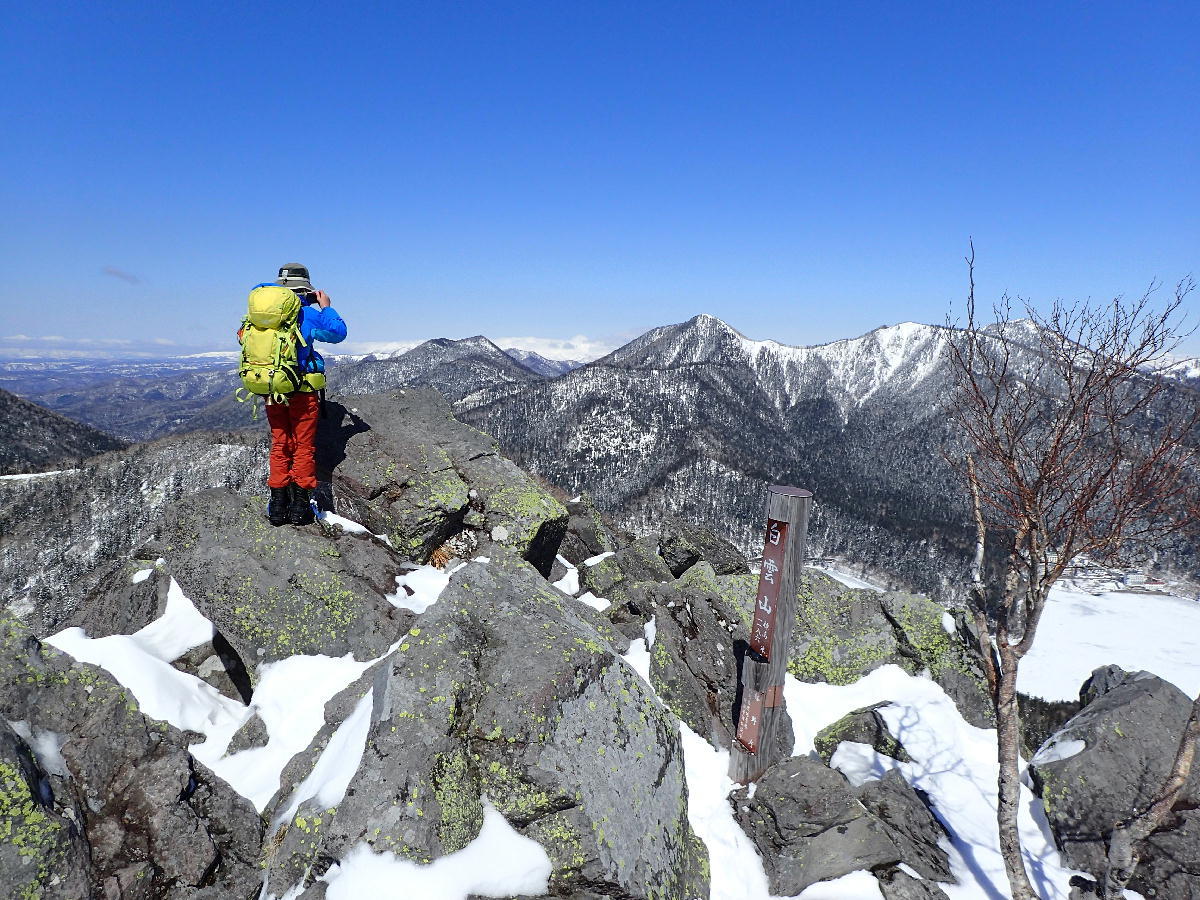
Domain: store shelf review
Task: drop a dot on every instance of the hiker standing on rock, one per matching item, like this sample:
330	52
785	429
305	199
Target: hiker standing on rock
280	364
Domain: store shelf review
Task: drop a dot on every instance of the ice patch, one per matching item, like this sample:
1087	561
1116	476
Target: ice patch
179	629
290	699
849	580
860	763
948	623
498	863
860	885
638	658
348	525
1059	750
141	575
598	558
426	583
736	868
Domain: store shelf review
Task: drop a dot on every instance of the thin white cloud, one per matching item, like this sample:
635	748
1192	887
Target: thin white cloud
127	277
580	348
59	339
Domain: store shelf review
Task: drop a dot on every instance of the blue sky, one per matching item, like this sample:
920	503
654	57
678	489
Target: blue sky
804	171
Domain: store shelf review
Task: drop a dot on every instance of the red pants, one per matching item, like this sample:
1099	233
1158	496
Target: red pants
294	440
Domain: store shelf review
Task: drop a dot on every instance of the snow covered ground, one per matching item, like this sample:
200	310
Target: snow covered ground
1079	632
953	762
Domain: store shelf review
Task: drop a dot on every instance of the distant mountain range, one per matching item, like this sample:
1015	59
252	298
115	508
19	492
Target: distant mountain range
141	400
693	419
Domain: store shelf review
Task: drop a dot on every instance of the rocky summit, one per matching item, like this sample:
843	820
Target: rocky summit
461	682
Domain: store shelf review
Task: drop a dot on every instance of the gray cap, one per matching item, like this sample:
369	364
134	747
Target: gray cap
294	275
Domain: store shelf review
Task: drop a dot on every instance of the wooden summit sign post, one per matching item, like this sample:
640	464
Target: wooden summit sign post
765	662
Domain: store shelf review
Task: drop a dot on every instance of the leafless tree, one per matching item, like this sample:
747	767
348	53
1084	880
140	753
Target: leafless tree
1072	446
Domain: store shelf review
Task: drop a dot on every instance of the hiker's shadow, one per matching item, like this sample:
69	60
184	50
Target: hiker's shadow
335	428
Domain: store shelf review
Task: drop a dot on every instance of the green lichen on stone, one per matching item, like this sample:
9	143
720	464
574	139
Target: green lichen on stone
523	511
564	846
317	611
25	825
440	487
456	789
738	591
921	622
851	727
518	800
827	655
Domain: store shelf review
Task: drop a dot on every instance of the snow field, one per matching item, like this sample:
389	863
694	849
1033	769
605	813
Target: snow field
498	863
1079	632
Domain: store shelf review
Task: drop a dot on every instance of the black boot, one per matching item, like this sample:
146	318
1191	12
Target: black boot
277	507
300	510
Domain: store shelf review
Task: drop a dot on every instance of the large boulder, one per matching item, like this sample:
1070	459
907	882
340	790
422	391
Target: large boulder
157	822
842	634
682	545
1109	760
400	464
695	660
811	825
508	689
611	576
590	533
134	596
275	592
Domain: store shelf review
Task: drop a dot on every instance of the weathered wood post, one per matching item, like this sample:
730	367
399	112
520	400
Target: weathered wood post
765	662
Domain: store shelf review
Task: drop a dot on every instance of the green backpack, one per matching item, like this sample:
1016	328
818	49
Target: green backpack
270	338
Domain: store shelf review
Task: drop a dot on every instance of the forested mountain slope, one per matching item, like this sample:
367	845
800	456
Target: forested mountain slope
34	439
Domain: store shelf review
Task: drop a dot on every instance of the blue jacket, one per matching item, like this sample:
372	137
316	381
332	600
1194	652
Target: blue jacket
318	324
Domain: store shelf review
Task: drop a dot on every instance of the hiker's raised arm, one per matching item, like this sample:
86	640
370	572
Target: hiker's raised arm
328	326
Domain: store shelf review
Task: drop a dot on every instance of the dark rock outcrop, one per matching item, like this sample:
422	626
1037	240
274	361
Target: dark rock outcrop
682	545
42	851
1117	751
153	816
810	825
862	726
590	533
402	466
275	592
507	688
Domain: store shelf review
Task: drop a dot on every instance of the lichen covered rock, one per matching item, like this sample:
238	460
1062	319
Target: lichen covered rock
275	592
1112	758
508	689
810	825
155	820
400	464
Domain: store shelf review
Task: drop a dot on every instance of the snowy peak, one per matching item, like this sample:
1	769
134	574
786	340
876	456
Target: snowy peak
851	370
535	362
701	339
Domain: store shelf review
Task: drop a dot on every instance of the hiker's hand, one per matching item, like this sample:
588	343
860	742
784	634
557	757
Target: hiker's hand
322	299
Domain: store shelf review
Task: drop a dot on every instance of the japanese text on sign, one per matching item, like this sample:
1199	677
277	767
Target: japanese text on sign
769	580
